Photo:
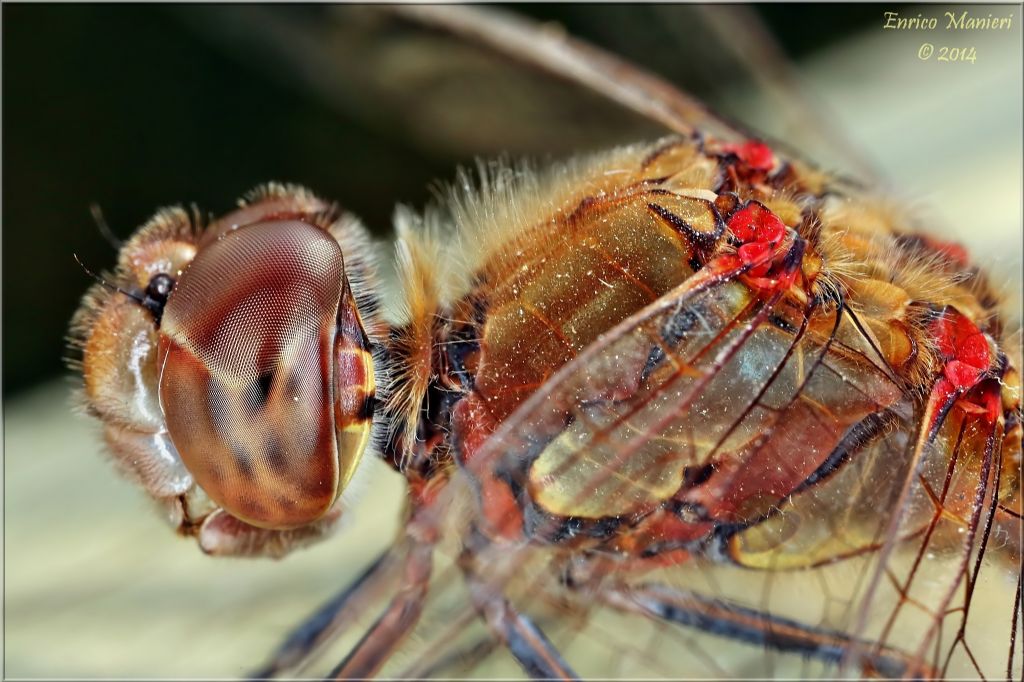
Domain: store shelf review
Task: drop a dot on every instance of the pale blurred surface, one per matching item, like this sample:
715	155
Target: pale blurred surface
97	586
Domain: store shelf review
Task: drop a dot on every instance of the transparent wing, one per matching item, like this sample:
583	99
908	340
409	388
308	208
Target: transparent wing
770	436
458	82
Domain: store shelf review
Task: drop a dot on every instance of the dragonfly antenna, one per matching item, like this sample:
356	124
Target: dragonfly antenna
112	287
104	228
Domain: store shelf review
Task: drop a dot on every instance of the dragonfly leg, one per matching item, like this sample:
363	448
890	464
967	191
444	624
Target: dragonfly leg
332	618
527	643
757	628
452	663
397	621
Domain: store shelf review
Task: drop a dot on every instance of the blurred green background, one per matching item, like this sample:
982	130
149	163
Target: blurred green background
140	106
136	107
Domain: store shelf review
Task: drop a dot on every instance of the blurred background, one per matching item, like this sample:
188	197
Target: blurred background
135	107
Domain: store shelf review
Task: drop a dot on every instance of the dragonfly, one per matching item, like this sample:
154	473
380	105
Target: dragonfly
659	394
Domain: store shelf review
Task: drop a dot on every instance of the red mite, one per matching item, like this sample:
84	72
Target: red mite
641	372
756	155
760	233
963	349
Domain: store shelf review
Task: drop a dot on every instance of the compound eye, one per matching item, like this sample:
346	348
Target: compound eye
246	367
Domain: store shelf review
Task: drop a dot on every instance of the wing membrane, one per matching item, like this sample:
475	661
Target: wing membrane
773	426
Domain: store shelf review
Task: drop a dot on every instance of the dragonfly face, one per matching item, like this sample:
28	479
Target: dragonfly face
640	371
242	395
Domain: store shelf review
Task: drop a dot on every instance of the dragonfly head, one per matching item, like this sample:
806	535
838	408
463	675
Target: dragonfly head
239	350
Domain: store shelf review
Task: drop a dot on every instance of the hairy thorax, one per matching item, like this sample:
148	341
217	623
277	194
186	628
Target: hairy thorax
567	273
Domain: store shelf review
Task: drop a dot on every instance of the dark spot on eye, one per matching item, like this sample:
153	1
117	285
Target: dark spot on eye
275	457
287	504
251	508
264	382
245	468
367	408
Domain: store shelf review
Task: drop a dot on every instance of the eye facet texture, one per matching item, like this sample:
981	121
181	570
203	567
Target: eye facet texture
246	371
